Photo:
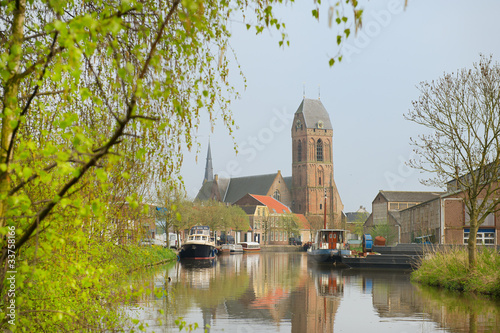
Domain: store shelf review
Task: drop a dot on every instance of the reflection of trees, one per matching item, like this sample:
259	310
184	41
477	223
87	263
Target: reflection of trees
393	295
221	287
470	313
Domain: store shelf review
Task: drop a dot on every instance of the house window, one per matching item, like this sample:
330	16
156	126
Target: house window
277	195
484	236
319	181
489	221
320	206
319	150
299	152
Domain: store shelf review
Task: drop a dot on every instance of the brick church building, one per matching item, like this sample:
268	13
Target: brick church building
310	190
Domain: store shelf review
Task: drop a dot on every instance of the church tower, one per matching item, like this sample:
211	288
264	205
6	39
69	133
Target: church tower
312	166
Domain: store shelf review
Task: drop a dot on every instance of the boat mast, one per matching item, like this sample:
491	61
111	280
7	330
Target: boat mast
325	211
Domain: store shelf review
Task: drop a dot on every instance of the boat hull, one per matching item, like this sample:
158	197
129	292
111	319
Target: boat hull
399	261
197	251
324	255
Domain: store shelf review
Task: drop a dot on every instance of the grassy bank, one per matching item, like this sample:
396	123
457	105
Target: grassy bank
74	290
449	270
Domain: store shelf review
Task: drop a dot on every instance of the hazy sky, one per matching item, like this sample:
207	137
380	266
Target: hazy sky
366	95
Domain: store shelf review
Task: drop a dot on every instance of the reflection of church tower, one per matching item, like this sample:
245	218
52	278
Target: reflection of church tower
312	163
209	171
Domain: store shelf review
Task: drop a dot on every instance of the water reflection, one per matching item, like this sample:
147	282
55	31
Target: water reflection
280	292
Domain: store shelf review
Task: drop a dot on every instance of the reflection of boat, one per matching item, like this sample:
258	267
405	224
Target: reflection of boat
329	284
328	246
199	244
403	261
194	264
250	246
328	280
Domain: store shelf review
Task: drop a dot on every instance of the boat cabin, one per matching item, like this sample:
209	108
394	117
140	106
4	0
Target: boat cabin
250	246
200	233
330	239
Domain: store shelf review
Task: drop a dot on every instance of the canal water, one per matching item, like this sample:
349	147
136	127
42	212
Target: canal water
283	292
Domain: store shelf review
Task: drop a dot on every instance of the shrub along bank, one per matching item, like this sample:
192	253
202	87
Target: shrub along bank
449	270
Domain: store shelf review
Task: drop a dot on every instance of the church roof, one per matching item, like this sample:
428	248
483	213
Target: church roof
314	111
288	182
238	187
205	191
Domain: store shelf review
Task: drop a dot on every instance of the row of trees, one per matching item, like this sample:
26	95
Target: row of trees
175	213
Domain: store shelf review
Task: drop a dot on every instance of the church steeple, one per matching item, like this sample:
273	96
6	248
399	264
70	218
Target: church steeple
209	171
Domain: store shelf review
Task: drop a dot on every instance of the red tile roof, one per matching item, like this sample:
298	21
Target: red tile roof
303	222
272	204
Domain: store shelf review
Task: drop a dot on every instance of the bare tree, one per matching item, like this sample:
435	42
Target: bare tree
462	111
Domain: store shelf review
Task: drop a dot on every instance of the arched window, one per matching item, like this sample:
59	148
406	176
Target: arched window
319	150
319	181
299	151
277	195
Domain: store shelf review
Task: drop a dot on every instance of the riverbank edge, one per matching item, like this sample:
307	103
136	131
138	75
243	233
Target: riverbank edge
449	270
150	256
281	248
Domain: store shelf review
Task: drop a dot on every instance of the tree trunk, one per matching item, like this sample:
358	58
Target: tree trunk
472	247
10	109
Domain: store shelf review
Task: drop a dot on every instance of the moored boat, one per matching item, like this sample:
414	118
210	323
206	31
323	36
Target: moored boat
199	244
236	248
225	249
250	246
377	260
328	246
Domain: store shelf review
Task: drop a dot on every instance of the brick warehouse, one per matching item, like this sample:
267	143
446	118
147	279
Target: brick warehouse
446	220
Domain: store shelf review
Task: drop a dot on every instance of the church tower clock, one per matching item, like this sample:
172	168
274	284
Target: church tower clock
312	166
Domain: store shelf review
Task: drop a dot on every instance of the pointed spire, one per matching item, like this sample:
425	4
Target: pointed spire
209	171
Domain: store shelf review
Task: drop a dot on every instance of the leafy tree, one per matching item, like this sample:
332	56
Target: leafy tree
217	215
97	99
462	111
385	230
169	198
289	223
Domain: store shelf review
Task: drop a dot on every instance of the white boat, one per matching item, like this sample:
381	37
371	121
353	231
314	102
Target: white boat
236	248
250	246
231	249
